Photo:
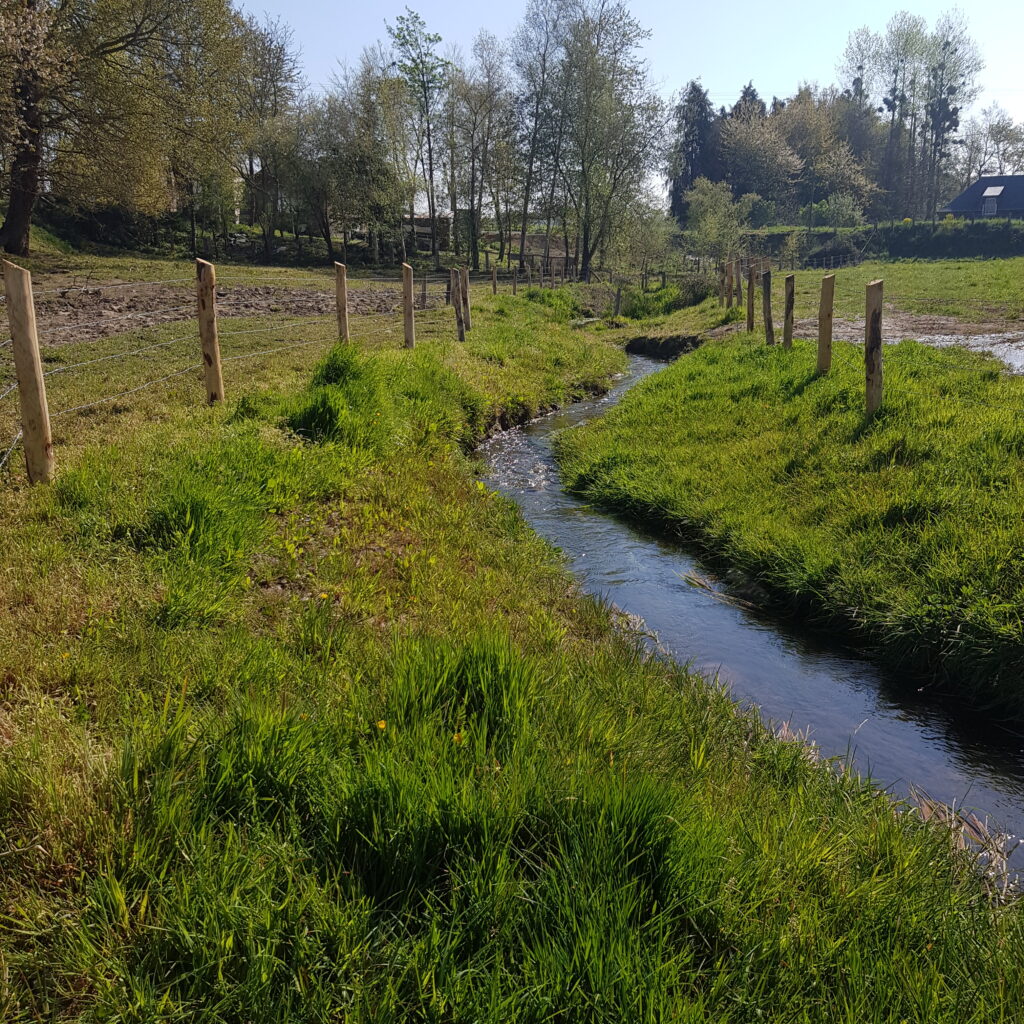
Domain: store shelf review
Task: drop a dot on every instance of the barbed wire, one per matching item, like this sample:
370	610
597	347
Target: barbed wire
65	290
129	391
7	454
8	391
271	351
116	319
118	355
274	327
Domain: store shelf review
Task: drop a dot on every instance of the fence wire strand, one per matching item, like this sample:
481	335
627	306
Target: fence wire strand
117	355
10	451
130	391
106	287
115	319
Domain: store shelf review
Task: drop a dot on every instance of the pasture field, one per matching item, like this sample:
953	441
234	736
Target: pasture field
972	291
300	722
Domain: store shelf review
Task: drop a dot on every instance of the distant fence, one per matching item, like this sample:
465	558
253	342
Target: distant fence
98	317
738	281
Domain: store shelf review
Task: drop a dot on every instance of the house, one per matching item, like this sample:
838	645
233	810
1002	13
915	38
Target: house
999	195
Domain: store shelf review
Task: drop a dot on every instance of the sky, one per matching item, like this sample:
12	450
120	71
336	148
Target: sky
725	45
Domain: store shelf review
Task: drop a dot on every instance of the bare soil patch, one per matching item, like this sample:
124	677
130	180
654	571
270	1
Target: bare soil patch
100	311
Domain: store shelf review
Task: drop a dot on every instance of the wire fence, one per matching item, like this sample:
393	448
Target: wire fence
91	361
99	344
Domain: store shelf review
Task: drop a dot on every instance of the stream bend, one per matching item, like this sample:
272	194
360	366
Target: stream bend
849	705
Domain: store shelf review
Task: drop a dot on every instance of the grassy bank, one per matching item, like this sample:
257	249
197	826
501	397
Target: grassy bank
301	723
904	528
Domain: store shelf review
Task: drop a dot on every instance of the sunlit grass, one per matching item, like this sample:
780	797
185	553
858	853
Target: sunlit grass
301	722
905	528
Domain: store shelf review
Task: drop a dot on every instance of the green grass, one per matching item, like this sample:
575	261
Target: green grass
905	528
300	723
974	291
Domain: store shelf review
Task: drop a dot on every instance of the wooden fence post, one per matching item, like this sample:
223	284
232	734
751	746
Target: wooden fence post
28	368
467	314
515	281
448	290
410	322
618	300
494	280
873	347
766	300
750	296
423	292
730	290
787	323
721	284
341	299
825	303
739	282
206	294
454	289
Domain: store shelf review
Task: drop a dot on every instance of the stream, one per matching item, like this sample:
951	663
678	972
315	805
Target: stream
849	705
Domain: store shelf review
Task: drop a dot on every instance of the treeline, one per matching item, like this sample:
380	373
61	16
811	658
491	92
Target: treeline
887	144
549	141
194	120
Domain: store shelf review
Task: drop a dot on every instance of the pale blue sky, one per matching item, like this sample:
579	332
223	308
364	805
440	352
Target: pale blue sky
724	44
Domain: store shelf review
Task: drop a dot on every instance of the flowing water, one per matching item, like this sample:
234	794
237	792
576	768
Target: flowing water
849	705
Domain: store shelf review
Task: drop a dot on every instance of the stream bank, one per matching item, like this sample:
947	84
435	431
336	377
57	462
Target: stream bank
849	705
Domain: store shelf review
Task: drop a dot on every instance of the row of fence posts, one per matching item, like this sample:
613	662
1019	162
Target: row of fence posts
730	290
35	416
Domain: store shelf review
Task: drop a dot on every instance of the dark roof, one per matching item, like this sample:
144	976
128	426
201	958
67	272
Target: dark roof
1009	200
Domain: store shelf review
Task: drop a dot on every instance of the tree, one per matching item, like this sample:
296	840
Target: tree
614	120
536	50
757	158
920	80
716	220
424	72
268	96
692	151
749	105
92	100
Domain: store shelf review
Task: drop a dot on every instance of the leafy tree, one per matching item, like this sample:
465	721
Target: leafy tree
267	98
614	120
716	221
424	72
95	94
757	158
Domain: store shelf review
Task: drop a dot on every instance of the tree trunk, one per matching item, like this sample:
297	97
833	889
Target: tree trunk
25	168
193	234
325	229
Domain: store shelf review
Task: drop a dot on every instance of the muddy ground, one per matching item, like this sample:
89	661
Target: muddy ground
100	311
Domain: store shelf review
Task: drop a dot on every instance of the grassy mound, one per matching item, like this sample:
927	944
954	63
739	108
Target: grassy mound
301	723
905	527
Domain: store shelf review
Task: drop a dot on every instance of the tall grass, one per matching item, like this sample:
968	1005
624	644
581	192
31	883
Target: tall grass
903	527
302	723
